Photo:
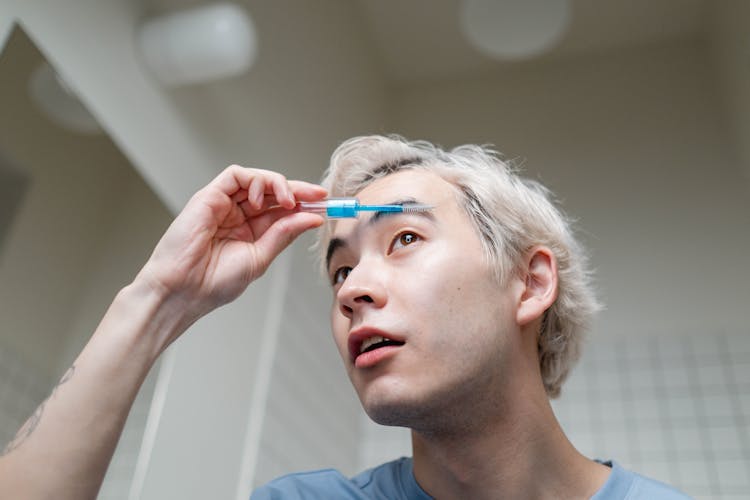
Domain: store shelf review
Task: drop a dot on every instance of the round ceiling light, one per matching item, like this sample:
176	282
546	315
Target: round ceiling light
514	29
199	44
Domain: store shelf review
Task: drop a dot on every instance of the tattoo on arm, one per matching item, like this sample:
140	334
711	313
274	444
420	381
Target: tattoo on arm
31	424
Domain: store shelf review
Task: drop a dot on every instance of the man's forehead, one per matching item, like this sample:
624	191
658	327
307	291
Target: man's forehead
413	183
406	187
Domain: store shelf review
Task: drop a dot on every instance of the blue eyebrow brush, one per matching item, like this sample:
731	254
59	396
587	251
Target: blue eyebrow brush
340	208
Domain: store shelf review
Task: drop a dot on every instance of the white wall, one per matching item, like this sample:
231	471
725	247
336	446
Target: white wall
74	187
316	90
634	144
84	225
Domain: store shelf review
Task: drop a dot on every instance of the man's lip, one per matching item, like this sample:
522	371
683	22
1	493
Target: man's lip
359	335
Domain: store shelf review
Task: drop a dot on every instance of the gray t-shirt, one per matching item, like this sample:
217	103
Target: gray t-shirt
395	481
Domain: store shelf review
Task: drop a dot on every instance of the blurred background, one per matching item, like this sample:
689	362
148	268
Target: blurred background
635	113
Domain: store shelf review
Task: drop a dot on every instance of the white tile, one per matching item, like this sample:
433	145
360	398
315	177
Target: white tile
707	348
669	348
603	352
578	416
724	439
739	346
652	441
695	473
644	378
656	469
679	407
733	473
687	439
712	375
640	349
674	376
618	440
717	406
744	404
648	410
741	371
705	496
613	411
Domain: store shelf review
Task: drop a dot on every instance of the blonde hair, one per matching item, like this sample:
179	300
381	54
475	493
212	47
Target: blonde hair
511	215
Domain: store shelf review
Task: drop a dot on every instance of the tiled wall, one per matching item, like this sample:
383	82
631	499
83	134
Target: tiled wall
675	408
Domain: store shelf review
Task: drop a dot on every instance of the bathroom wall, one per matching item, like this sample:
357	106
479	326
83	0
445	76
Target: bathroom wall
636	146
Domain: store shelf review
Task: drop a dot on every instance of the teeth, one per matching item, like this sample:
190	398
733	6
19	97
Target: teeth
370	341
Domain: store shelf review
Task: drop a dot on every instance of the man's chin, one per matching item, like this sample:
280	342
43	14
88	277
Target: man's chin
394	412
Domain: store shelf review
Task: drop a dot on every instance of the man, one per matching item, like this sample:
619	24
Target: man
458	322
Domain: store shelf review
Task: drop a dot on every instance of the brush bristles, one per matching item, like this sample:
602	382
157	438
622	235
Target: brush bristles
417	208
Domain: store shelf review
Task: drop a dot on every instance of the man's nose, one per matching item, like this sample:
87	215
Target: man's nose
362	288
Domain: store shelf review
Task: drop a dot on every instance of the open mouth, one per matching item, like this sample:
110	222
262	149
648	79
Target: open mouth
367	344
376	342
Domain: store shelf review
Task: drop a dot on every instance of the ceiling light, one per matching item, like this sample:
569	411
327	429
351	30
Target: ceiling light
199	45
514	29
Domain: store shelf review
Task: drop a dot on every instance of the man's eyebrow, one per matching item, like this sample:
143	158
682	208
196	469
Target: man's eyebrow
337	243
333	245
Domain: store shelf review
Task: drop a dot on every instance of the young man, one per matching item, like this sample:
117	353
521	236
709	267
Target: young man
458	322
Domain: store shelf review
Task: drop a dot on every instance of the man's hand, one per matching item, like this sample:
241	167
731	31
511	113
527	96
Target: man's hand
226	237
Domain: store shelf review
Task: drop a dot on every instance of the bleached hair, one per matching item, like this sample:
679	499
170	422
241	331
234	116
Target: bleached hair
510	213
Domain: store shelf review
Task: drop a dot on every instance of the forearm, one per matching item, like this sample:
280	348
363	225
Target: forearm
64	448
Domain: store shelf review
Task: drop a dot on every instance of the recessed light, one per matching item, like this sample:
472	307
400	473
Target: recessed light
514	29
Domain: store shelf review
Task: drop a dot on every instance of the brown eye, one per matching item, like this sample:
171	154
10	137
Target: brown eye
407	238
403	240
340	275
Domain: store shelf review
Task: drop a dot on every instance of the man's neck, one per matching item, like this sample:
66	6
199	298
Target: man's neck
522	454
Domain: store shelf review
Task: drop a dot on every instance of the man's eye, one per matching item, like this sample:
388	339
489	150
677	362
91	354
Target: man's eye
404	239
340	275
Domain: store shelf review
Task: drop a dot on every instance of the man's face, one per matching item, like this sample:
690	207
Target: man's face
420	282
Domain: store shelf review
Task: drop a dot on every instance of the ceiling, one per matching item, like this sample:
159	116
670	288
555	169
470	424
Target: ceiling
420	39
416	40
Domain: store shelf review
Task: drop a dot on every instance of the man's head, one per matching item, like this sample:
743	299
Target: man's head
462	255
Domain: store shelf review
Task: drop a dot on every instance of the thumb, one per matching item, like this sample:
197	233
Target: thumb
283	232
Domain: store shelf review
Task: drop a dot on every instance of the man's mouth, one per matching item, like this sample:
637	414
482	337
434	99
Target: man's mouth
367	340
376	342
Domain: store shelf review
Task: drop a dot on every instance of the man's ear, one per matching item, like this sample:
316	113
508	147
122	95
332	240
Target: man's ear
539	276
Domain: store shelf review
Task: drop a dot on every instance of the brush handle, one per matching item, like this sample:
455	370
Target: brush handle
333	208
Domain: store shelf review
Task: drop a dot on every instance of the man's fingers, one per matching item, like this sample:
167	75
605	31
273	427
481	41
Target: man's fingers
282	232
262	197
306	191
302	191
259	223
258	183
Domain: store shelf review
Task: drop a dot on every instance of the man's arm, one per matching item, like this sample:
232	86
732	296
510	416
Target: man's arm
225	238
